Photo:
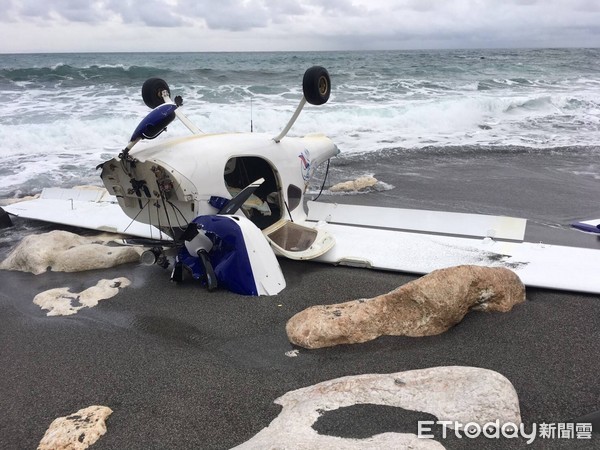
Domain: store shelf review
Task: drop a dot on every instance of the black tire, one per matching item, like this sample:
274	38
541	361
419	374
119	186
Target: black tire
211	278
151	92
316	85
177	274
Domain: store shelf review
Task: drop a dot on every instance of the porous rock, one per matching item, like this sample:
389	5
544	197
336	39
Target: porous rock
454	393
427	306
360	184
61	251
77	431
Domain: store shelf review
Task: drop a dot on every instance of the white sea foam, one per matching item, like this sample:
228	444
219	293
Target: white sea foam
56	127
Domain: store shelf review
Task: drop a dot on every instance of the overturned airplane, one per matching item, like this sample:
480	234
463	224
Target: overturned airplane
224	206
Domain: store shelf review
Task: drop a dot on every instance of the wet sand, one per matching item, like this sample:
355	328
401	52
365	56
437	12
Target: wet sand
184	368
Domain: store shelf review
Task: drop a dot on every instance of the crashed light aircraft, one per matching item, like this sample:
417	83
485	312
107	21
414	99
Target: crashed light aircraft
224	206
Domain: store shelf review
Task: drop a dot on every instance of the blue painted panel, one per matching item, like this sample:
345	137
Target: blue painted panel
228	256
155	122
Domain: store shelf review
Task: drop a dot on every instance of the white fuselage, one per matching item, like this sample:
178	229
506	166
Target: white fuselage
170	183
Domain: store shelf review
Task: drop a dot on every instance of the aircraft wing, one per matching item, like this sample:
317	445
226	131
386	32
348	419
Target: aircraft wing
421	221
395	239
589	226
381	238
93	209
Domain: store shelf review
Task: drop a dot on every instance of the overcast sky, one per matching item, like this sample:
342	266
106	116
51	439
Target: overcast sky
264	25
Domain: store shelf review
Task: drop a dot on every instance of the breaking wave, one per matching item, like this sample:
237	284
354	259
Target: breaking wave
66	111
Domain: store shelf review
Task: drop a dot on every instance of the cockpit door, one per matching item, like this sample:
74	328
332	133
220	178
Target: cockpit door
297	241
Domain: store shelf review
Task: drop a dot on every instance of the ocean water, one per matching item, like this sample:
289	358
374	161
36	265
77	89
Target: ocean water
62	114
415	119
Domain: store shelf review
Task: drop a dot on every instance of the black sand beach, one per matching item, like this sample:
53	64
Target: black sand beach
183	368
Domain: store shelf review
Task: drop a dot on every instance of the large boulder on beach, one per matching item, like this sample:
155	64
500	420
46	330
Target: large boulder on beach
77	431
455	394
61	251
427	306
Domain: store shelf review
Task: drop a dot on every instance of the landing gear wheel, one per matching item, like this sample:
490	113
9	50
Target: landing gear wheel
316	85
211	279
152	92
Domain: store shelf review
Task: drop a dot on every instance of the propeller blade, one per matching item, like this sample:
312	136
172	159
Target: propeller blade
190	232
197	243
236	202
211	278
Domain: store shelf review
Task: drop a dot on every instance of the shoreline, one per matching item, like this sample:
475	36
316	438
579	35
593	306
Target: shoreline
184	368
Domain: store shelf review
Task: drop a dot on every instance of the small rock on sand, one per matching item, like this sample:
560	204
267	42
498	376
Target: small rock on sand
360	184
77	431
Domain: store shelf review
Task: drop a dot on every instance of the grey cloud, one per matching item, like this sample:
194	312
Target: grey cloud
231	15
344	24
149	12
80	10
8	11
288	7
421	5
71	10
586	5
156	13
32	9
525	2
337	7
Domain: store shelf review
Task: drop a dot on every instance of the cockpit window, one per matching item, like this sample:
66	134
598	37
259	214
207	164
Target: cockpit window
294	196
263	208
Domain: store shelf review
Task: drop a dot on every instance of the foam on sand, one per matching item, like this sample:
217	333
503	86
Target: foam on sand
61	251
62	302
